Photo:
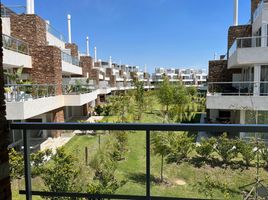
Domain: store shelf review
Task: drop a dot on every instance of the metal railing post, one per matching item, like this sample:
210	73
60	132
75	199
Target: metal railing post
27	166
148	173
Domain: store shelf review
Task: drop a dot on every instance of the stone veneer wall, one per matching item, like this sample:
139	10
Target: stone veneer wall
29	28
47	66
112	81
218	71
74	49
5	191
86	63
238	31
57	116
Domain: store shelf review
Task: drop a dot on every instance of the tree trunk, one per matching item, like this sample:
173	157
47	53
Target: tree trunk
162	167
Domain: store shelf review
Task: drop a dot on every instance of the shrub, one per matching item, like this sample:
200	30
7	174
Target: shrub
179	148
99	110
15	164
206	148
226	148
246	149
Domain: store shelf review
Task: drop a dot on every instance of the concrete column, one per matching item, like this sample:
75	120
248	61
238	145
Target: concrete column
264	35
257	79
32	7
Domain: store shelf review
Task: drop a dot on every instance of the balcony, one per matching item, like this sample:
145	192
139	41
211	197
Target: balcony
26	101
54	37
147	131
16	53
70	65
104	87
238	95
248	51
78	95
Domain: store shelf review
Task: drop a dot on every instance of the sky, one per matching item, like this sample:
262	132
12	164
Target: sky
158	33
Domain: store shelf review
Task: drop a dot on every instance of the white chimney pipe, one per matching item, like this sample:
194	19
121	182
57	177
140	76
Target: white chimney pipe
32	7
28	6
110	62
87	39
235	12
95	54
69	29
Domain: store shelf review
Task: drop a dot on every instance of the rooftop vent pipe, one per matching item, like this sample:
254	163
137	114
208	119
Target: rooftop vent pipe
87	39
69	29
95	54
30	6
235	12
110	62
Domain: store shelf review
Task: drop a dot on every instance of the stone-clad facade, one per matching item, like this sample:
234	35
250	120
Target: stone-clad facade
86	63
29	28
47	66
74	49
237	32
5	191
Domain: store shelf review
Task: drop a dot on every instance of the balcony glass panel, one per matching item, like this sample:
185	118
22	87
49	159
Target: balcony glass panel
15	44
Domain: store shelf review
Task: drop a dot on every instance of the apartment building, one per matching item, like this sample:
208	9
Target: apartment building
47	79
238	85
188	76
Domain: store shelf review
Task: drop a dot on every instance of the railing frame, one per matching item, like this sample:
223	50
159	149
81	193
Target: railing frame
120	127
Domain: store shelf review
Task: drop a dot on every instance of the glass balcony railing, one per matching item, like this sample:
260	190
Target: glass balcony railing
55	32
69	59
238	88
7	11
27	92
248	42
15	44
77	89
259	9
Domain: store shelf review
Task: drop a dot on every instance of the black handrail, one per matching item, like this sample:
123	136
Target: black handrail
123	126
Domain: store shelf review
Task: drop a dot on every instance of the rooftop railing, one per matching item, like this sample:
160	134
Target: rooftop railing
27	92
12	10
148	129
248	42
54	32
69	59
77	89
238	88
15	44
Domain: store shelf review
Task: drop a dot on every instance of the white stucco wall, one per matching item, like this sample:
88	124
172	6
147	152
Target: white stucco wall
31	108
6	25
54	41
237	102
14	59
69	68
79	100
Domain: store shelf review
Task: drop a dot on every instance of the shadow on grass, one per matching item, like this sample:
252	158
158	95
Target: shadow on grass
140	178
215	162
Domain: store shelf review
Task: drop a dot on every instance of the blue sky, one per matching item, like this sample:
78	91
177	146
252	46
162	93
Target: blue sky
171	33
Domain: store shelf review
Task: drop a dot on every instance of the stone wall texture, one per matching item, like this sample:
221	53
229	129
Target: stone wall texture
57	116
112	81
74	49
29	28
238	31
94	75
5	188
218	71
47	68
86	63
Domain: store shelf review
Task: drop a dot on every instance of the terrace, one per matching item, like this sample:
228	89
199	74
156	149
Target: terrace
248	51
70	64
16	53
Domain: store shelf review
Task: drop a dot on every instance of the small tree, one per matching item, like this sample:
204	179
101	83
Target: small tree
226	148
139	98
119	145
16	166
160	146
105	168
180	145
206	148
61	175
246	149
165	95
